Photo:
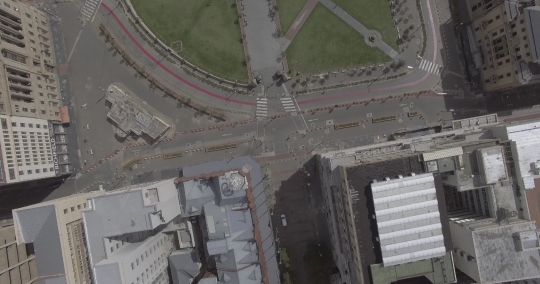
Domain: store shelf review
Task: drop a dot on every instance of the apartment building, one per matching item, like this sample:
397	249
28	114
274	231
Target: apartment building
28	79
32	148
503	42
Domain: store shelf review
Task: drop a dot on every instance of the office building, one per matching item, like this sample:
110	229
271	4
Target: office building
27	67
504	41
32	149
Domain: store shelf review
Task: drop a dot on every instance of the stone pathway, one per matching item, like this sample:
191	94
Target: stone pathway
263	45
300	19
379	43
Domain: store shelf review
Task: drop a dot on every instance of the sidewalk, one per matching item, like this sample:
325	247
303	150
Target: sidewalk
168	73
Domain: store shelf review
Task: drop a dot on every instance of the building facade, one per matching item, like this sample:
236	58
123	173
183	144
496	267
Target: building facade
503	42
28	79
55	231
32	149
17	261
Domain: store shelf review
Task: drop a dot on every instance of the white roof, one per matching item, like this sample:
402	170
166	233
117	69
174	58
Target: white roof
451	152
408	219
527	139
493	165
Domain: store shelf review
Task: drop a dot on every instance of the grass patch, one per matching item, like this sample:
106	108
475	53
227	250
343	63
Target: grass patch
208	30
375	15
325	42
288	11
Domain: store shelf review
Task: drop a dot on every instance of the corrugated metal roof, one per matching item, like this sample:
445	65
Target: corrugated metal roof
451	152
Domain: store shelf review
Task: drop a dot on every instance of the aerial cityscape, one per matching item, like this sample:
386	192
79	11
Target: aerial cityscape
269	141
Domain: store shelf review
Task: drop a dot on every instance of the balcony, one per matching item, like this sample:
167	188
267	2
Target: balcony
17	72
51	96
10	16
10	30
27	97
19	86
13	40
10	23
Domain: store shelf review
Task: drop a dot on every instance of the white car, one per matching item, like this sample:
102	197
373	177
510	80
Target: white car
283	220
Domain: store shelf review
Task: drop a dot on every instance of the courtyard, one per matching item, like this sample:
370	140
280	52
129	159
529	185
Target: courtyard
207	31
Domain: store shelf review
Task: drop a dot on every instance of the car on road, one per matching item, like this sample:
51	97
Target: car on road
283	220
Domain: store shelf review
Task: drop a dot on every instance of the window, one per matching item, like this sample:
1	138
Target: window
501	76
498	17
528	54
43	112
502	31
21	173
522	21
41	94
507	60
31	126
7	5
494	34
25	109
523	29
29	172
513	26
37	171
508	74
514	34
72	209
27	15
526	45
44	170
499	63
79	207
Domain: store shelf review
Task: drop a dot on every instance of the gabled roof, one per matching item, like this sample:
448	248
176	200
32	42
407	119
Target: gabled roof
184	266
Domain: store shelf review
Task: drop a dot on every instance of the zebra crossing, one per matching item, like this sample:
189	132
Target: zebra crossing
89	9
430	67
288	104
262	107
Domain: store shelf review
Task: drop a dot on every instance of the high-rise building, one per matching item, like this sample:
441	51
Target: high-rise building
31	148
504	41
28	79
55	231
17	261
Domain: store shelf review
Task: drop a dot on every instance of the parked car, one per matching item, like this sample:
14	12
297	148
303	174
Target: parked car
283	220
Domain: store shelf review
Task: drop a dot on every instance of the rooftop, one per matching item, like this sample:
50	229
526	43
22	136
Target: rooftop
527	140
492	164
408	219
360	178
498	256
130	117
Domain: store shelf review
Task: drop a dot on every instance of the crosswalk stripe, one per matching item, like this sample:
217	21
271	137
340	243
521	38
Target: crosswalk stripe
422	64
286	99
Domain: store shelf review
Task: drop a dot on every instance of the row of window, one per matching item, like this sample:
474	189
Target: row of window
72	209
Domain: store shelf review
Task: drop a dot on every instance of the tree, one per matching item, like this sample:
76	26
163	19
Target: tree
284	256
287	278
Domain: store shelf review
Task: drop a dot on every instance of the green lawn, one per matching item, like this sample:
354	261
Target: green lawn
210	38
288	11
375	15
325	42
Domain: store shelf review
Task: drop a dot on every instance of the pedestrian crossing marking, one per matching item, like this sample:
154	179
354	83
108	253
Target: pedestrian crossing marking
89	9
288	104
262	107
430	67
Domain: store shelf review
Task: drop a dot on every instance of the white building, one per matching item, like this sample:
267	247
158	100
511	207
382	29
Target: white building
26	149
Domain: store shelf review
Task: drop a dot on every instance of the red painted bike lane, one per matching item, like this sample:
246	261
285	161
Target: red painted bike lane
166	69
301	102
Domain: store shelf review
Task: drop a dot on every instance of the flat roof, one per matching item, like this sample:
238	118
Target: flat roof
408	219
532	20
527	140
498	256
360	178
494	167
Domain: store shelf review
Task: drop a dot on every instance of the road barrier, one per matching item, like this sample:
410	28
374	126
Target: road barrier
173	155
221	147
346	125
384	119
